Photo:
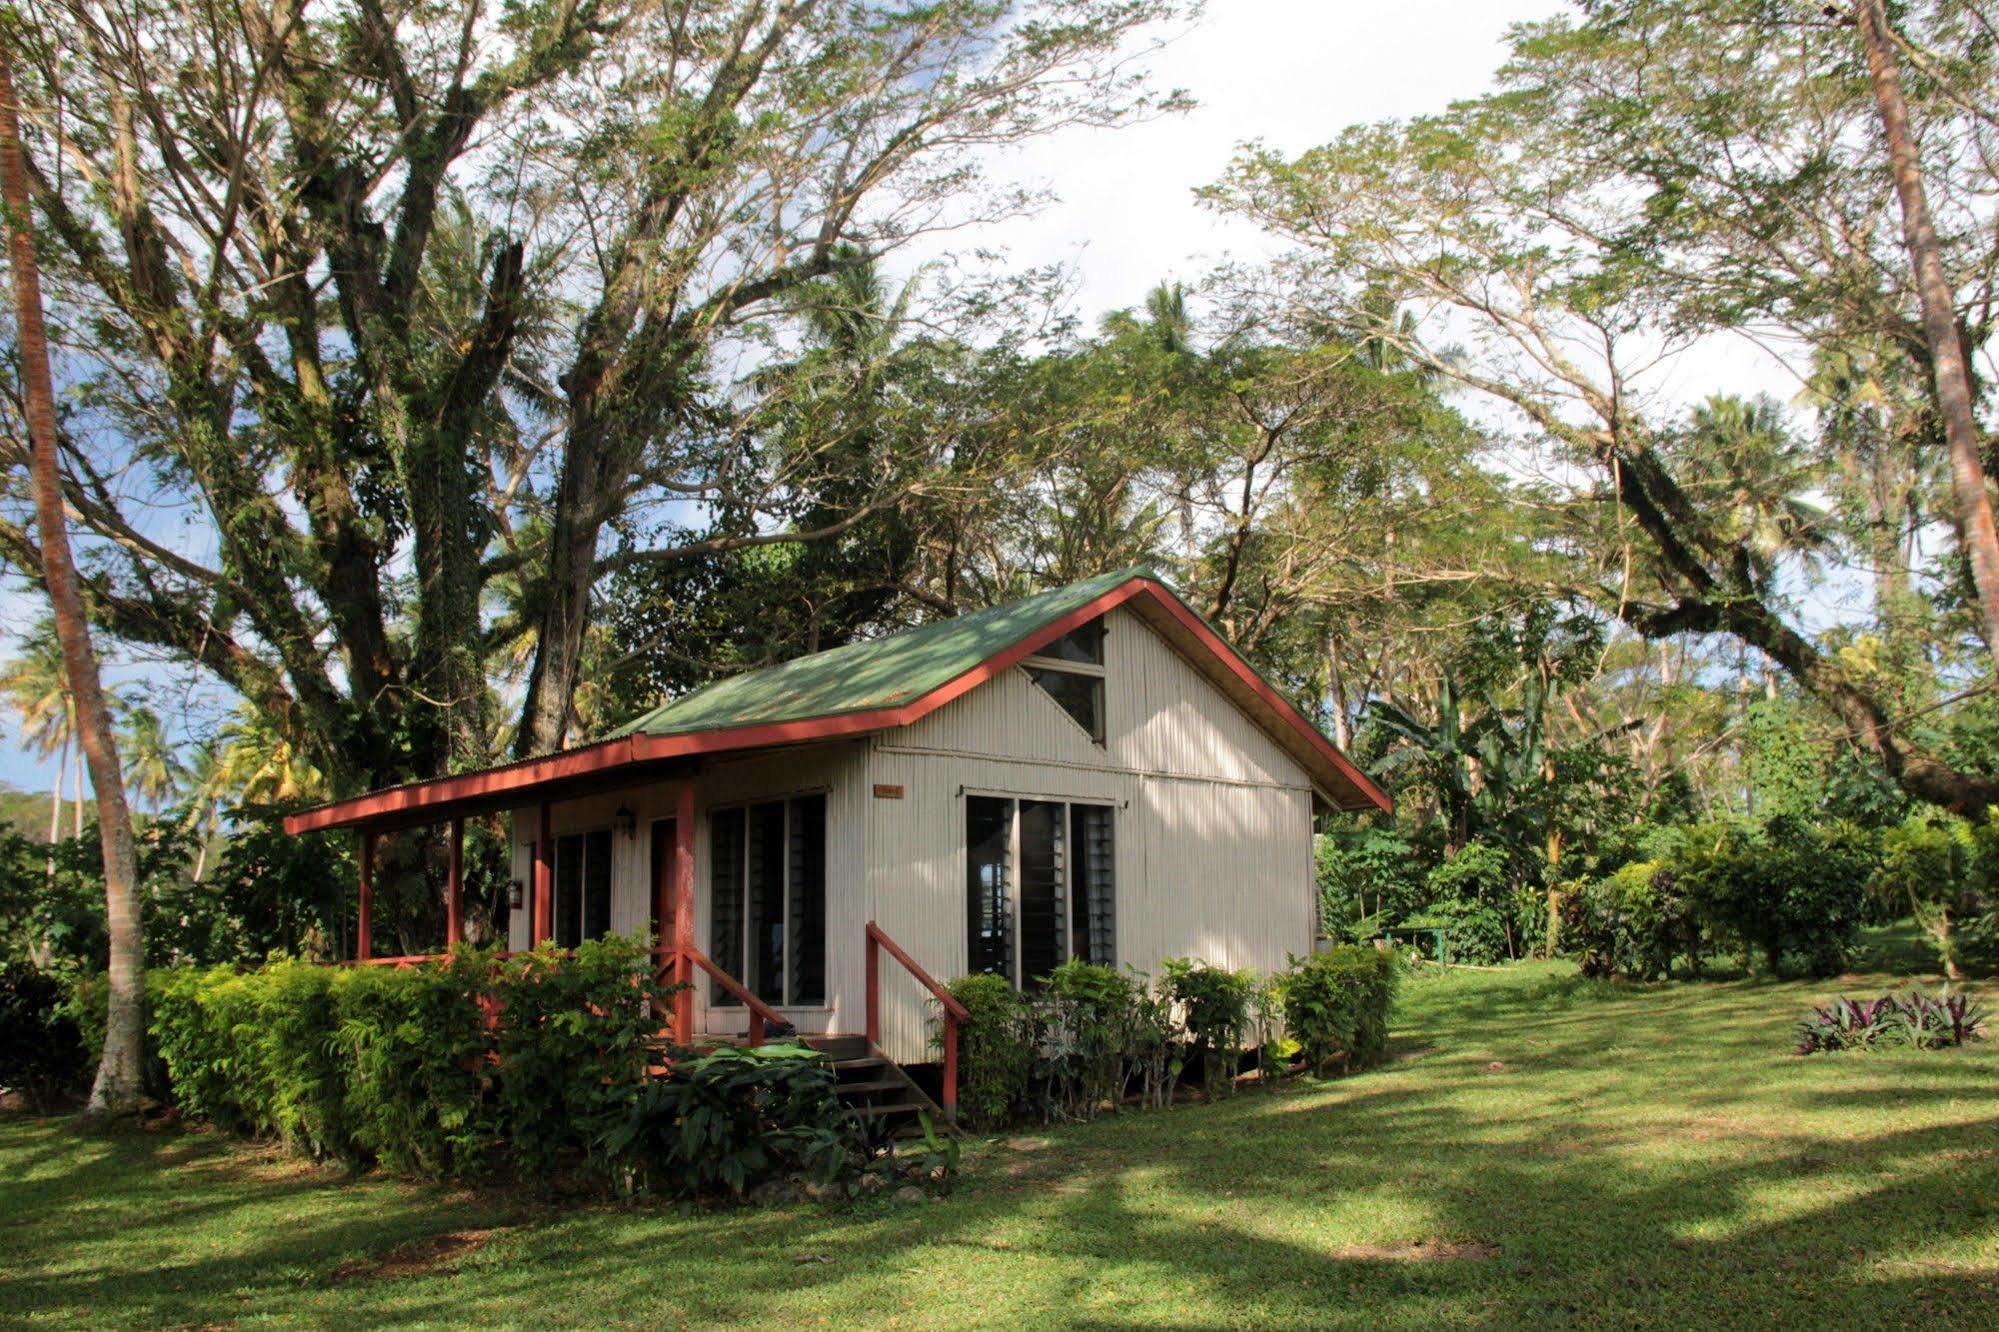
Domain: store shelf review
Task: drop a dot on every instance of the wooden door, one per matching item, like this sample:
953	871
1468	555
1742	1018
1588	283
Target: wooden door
664	833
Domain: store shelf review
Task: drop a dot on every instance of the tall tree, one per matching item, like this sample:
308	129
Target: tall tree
449	306
1938	302
1546	247
118	1084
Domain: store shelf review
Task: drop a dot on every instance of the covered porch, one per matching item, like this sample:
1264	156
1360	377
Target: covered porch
647	817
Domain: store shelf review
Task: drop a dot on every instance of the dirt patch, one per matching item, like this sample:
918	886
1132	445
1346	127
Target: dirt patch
432	1253
1419	1251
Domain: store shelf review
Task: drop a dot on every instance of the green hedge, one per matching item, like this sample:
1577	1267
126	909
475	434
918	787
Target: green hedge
436	1069
1336	1005
1089	1036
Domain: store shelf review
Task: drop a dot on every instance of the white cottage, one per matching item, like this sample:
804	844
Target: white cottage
1091	772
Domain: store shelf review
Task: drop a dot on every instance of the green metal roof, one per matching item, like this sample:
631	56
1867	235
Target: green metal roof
880	673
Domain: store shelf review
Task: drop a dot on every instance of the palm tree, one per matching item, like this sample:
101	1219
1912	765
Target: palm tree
34	685
120	1070
153	769
260	764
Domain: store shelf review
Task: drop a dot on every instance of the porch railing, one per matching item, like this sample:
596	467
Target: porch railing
955	1013
678	965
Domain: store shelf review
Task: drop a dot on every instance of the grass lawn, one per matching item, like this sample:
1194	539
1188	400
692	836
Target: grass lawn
1543	1150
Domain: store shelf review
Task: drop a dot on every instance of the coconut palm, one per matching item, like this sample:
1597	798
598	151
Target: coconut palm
154	772
35	688
259	763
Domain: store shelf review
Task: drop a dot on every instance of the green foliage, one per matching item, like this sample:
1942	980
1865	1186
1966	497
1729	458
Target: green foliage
1216	1006
407	1066
1633	923
1085	1017
996	1050
1474	933
1336	1005
570	1044
1917	1021
1367	878
42	1055
1941	869
1791	893
733	1118
1472	898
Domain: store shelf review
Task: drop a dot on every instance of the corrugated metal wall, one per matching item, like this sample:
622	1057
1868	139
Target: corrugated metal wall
1213	829
1213	823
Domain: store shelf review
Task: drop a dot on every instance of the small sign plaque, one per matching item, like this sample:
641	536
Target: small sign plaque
883	791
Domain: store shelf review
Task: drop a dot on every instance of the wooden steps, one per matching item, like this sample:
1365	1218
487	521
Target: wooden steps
874	1089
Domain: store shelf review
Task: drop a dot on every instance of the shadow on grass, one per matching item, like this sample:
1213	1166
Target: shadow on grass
1640	1157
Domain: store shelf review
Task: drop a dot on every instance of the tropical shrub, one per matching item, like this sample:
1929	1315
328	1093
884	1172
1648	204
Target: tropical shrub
1472	896
1366	878
407	1066
1939	869
1085	1020
1915	1020
1474	933
418	1069
1789	893
995	1050
1216	1007
570	1044
1634	923
42	1054
733	1118
1336	1005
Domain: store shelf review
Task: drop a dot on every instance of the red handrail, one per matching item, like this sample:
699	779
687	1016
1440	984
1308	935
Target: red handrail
954	1012
684	960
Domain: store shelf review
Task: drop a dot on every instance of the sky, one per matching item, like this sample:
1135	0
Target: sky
1288	73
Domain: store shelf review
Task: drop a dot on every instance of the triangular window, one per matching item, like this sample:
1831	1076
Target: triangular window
1070	670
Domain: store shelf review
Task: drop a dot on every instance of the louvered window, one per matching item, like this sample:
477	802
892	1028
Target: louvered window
1040	885
768	902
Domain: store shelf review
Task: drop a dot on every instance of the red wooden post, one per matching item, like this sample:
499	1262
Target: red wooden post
683	909
544	880
454	887
364	945
950	1088
874	989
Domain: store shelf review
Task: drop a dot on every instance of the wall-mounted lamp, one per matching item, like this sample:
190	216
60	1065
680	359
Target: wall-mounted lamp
516	895
628	822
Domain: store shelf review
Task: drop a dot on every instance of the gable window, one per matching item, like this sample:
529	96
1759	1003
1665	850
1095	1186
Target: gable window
582	887
1039	890
767	909
1070	670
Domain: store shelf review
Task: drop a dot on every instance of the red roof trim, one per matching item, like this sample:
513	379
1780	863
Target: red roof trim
400	802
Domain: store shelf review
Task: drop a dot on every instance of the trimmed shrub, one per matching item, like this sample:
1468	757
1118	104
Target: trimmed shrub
734	1118
42	1055
406	1066
571	1048
1336	1005
995	1051
416	1046
1216	1008
1085	1026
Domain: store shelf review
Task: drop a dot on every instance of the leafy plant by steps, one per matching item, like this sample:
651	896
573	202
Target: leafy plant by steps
733	1118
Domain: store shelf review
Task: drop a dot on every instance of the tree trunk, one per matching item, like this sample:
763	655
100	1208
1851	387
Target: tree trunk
1951	375
118	1086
